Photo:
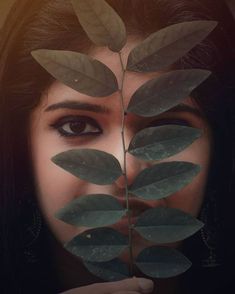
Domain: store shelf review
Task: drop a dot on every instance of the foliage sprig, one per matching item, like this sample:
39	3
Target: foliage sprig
100	246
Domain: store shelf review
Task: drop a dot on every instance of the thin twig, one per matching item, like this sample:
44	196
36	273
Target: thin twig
124	165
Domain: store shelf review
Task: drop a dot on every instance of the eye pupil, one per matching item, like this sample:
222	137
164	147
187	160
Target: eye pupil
77	126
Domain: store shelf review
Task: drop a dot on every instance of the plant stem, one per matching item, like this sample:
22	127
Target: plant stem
125	167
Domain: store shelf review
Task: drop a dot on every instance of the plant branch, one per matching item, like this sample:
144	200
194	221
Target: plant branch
124	165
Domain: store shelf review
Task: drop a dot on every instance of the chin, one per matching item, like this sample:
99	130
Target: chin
140	244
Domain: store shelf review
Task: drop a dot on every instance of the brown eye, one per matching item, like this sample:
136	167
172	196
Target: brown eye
77	126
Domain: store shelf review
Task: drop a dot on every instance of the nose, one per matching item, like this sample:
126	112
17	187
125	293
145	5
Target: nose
129	164
133	167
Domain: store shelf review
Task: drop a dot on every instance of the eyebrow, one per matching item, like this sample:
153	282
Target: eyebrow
77	105
187	108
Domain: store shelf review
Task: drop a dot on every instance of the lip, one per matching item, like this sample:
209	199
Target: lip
122	225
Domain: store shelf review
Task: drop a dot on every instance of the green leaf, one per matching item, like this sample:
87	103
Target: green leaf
98	245
166	46
163	179
113	270
78	71
91	165
162	262
157	143
95	210
166	91
166	225
102	24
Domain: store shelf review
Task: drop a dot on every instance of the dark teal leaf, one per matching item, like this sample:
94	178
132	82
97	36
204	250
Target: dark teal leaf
102	24
163	179
162	262
113	270
166	91
165	47
157	143
78	71
166	225
95	210
91	165
98	245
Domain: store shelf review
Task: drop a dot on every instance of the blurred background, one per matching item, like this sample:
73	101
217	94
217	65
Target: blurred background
4	8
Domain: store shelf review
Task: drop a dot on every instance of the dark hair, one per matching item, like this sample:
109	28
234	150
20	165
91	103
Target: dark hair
53	25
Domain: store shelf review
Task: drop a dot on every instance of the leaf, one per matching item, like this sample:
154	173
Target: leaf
95	210
113	270
162	262
157	143
166	225
166	91
91	165
78	71
163	179
166	46
231	5
98	245
102	24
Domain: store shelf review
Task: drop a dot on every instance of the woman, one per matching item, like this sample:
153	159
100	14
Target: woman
36	125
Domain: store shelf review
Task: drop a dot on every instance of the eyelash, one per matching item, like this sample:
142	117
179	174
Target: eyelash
61	122
83	120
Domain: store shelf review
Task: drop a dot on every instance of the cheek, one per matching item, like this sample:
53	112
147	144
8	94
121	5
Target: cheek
190	198
55	187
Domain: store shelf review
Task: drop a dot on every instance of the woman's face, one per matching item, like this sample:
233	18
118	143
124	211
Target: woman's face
66	119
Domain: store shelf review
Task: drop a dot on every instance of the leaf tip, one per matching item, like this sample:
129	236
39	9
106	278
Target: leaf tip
57	215
213	24
35	54
54	159
200	224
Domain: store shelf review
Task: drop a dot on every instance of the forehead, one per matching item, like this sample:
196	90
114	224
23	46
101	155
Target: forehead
59	92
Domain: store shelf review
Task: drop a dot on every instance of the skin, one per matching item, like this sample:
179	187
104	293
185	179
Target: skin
56	187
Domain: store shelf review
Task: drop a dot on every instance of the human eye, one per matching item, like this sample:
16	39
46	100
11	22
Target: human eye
76	126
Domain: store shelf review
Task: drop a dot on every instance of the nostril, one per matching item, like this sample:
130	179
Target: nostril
121	182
